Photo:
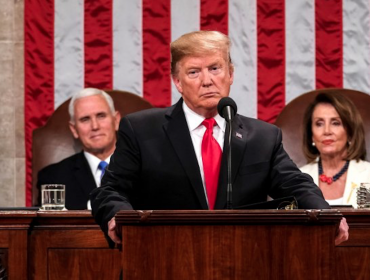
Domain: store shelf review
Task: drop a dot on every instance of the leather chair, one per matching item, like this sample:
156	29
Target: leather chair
291	117
54	141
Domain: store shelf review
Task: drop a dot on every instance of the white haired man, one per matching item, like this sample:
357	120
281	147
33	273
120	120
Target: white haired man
94	121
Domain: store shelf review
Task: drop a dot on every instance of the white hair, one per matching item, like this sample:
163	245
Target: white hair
89	92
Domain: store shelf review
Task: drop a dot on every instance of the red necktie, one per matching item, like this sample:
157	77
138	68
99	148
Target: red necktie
211	157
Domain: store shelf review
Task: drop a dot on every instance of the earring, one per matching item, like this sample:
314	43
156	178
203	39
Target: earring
313	144
349	143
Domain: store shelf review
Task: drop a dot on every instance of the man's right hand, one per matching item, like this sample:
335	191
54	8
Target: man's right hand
112	231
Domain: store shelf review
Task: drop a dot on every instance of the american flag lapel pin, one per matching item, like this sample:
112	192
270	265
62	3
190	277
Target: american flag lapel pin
237	134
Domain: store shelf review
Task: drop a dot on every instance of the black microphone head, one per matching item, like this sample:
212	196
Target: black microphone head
223	103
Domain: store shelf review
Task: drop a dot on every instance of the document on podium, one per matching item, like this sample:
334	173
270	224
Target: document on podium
287	203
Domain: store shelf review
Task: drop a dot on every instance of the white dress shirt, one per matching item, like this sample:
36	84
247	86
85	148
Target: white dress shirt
197	131
93	162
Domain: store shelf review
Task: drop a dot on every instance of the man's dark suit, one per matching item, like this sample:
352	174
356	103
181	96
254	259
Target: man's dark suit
155	167
75	173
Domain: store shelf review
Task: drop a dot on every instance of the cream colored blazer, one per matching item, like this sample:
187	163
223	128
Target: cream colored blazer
358	172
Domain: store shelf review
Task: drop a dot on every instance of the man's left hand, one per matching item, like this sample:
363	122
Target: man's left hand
342	234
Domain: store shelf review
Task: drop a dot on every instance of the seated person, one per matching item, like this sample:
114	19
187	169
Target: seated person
94	121
334	146
172	158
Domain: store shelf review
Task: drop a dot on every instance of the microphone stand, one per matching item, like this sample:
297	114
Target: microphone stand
229	199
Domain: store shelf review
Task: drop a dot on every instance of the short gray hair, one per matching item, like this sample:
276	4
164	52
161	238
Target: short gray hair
89	92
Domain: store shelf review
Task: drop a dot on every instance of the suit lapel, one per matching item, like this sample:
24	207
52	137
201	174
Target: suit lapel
355	176
238	145
82	169
179	136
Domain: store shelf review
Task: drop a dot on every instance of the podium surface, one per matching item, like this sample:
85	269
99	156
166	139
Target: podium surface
228	244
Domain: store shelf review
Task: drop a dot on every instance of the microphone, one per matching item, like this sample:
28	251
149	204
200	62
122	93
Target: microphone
227	109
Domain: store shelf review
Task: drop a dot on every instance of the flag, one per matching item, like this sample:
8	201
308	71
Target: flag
280	49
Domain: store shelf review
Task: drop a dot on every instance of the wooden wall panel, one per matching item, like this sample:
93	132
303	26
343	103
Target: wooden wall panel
87	264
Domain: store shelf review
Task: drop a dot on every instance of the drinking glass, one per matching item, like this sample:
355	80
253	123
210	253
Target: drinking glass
53	197
363	196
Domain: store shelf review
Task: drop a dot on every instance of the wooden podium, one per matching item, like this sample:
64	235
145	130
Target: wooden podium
14	228
68	245
228	244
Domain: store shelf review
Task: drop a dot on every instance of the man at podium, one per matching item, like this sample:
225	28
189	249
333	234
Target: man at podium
172	158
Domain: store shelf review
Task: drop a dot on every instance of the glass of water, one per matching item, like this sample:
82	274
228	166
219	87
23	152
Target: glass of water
363	196
53	197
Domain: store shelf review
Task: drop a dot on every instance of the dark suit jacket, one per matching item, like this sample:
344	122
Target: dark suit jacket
75	173
154	167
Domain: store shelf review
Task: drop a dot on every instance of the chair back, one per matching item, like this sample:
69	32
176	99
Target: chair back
290	120
54	141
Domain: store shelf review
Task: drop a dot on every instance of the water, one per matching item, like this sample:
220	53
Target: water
53	207
53	199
